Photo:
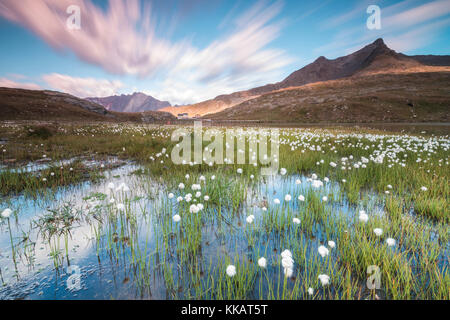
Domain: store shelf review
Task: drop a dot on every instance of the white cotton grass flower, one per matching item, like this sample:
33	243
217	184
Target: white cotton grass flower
424	189
324	198
231	271
323	251
181	186
287	197
262	262
288	272
276	201
283	171
239	170
363	217
176	218
194	208
298	181
296	220
206	198
123	187
6	213
378	232
331	244
111	186
301	198
310	291
317	184
324	279
250	219
390	242
179	199
171	195
286	253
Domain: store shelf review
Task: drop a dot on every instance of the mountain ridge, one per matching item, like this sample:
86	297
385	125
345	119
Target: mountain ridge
374	57
135	102
46	105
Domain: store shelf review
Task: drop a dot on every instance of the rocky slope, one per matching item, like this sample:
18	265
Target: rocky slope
21	104
373	58
136	102
417	96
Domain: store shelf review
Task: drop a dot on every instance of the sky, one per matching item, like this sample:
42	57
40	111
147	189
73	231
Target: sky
189	51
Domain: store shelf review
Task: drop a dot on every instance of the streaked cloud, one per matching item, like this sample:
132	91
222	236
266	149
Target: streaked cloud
82	87
8	83
108	39
123	40
414	16
407	25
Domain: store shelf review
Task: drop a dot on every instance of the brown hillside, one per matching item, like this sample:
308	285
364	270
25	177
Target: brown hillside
401	96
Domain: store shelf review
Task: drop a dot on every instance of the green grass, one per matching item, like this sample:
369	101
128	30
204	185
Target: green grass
145	237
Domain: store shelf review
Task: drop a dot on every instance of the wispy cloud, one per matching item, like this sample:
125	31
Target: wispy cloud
8	83
414	16
236	61
406	26
108	39
82	87
123	40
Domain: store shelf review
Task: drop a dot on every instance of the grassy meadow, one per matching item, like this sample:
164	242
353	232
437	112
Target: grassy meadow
350	214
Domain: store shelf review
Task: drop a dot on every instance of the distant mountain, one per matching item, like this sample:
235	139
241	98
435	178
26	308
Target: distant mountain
136	102
21	104
372	59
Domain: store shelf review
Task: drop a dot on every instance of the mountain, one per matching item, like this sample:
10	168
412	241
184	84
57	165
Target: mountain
375	56
372	59
21	104
136	102
211	106
402	96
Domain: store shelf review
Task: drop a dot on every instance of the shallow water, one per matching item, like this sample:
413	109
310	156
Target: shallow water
102	245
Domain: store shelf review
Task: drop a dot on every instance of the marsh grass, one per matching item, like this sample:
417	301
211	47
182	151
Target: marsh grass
188	258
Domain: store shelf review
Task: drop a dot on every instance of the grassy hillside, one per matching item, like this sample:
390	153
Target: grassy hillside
20	104
398	97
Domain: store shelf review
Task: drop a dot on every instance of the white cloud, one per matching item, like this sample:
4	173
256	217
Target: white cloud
426	12
235	62
106	39
82	87
405	26
417	37
8	83
124	40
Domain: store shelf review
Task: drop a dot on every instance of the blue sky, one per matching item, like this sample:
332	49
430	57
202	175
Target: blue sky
189	51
